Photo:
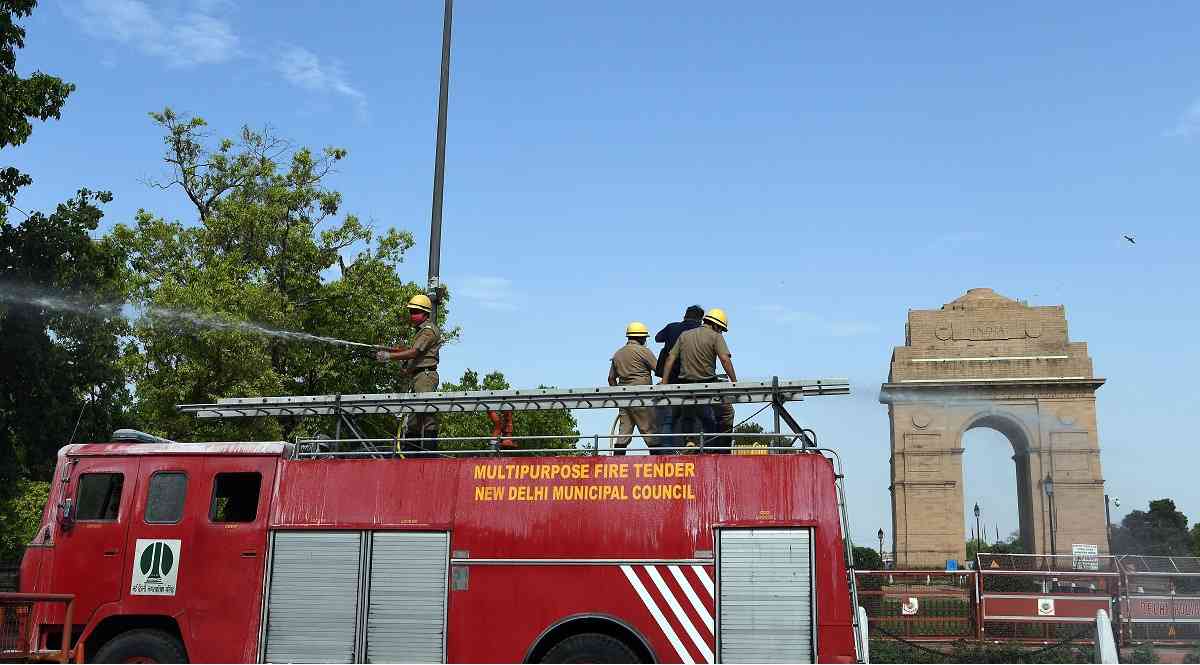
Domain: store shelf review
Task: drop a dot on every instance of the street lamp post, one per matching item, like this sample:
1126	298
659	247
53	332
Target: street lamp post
978	533
880	534
1108	521
1048	486
1107	524
439	165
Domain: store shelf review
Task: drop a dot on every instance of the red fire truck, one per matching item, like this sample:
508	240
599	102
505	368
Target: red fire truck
253	552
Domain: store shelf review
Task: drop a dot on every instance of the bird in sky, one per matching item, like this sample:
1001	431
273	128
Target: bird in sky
1130	239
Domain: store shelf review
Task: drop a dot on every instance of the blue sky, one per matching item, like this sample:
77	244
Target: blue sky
816	171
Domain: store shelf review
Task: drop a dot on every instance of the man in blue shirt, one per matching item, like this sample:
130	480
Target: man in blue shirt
667	337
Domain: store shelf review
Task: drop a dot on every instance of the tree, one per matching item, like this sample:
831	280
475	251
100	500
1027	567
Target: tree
755	428
60	377
267	247
39	96
551	422
866	558
1011	546
1195	536
1161	531
20	516
58	373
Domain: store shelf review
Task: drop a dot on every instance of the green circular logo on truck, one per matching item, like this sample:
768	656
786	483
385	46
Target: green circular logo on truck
156	561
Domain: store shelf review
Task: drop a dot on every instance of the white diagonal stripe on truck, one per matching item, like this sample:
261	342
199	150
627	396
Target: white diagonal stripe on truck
684	619
701	610
659	618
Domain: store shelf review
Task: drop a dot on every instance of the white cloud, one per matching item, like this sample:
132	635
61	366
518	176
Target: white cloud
212	6
181	39
304	68
198	35
490	292
206	39
834	327
1188	126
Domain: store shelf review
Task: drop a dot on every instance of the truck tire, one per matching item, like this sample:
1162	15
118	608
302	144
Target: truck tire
590	648
142	646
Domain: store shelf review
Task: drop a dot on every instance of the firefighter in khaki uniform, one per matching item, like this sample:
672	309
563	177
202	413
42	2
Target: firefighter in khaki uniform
422	366
632	365
697	353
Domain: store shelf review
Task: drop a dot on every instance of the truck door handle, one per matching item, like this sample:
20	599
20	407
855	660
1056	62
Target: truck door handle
111	552
249	554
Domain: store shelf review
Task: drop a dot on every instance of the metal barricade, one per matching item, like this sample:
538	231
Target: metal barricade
19	638
919	605
1160	600
1043	598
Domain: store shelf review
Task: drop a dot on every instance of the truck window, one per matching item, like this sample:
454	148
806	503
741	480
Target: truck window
235	497
164	498
99	496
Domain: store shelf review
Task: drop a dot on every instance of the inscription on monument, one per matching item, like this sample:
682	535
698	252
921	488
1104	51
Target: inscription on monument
987	331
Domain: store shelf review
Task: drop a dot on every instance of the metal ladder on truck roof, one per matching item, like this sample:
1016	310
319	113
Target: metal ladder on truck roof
345	408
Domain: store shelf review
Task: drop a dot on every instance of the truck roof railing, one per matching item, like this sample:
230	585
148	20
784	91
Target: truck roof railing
605	397
751	443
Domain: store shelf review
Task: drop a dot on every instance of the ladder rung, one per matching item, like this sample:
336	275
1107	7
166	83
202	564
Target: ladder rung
605	397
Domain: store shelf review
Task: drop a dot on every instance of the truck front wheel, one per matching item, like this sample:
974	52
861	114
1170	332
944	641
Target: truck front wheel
142	646
590	648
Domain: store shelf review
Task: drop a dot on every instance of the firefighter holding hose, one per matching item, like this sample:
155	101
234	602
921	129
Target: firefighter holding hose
421	362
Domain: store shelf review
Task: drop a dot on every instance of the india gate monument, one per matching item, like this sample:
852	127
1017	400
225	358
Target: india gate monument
984	360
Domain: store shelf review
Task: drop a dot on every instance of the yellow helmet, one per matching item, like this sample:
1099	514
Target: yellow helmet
637	329
421	302
716	316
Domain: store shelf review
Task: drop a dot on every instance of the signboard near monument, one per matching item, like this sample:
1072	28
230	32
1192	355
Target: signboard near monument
1084	557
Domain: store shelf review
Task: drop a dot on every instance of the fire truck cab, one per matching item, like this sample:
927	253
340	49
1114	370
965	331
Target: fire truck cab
247	552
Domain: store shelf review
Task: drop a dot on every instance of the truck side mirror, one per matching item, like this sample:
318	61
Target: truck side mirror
66	517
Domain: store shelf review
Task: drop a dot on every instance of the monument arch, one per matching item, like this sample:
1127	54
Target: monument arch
984	360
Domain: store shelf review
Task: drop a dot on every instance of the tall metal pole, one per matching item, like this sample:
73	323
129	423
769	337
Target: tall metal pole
1107	524
439	168
1053	527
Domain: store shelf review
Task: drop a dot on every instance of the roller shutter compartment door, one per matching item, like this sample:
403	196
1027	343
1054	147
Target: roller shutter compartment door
406	617
765	589
312	610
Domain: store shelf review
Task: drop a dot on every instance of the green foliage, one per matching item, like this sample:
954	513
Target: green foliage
51	364
1194	534
866	558
39	96
20	516
755	428
58	368
1144	653
268	247
1161	531
555	422
1011	546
